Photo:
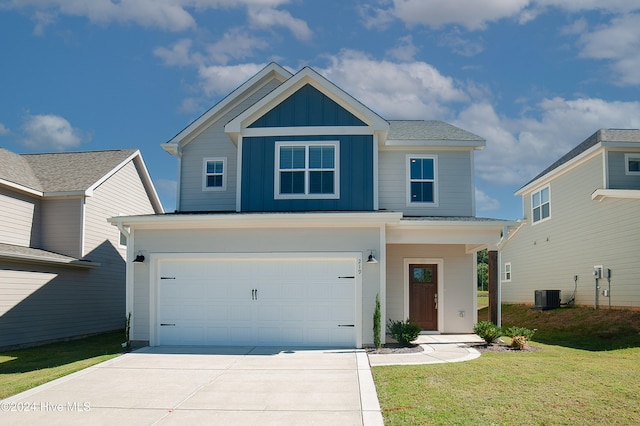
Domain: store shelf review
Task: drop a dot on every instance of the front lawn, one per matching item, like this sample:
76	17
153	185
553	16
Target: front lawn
587	373
27	368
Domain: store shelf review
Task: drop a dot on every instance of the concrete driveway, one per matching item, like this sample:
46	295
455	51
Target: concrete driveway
208	385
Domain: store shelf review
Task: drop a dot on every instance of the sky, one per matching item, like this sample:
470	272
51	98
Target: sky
533	77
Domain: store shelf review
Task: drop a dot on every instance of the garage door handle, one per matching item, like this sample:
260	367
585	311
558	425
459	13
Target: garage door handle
165	325
346	325
254	294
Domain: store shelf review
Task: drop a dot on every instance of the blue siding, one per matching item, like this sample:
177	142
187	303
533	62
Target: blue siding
356	176
307	107
618	179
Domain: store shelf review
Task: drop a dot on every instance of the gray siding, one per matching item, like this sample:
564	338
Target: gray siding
20	218
580	233
213	142
454	180
62	226
618	179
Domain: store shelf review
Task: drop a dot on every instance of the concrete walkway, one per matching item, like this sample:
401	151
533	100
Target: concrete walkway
437	348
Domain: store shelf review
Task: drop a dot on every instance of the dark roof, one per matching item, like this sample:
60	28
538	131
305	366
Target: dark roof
60	172
31	255
433	130
602	135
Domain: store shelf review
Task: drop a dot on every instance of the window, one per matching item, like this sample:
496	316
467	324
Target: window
421	180
507	271
540	204
307	170
214	177
632	164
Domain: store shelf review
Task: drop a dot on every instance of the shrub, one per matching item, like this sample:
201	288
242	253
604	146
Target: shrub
519	342
376	323
404	331
487	331
519	331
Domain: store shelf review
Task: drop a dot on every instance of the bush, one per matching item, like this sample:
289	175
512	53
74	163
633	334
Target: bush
519	331
404	331
487	331
519	342
376	323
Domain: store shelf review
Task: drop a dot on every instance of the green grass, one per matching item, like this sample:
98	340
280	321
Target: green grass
483	299
582	375
24	369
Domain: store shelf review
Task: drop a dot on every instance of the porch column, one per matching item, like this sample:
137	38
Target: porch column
493	286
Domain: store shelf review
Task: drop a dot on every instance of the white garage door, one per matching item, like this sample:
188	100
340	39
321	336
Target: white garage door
264	302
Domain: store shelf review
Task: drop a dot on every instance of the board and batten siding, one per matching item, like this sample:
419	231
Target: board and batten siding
213	142
355	175
61	230
20	216
579	234
271	241
454	183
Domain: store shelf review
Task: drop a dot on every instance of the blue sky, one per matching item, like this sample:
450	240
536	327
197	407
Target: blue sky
533	77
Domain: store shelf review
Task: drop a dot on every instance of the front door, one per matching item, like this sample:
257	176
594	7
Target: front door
423	296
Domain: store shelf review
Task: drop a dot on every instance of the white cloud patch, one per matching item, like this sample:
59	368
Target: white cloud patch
618	42
414	90
220	80
265	17
3	130
236	44
485	203
404	50
51	132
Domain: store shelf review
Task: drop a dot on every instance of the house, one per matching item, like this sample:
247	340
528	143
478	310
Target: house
62	265
580	215
296	205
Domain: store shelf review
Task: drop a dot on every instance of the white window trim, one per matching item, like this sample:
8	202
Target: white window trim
408	180
224	174
507	278
627	157
532	207
306	195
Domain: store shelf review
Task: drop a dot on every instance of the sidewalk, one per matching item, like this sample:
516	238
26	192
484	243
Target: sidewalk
437	348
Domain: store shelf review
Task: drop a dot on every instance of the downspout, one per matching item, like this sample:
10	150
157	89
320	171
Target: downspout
128	272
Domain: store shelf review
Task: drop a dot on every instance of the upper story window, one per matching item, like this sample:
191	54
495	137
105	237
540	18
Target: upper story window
214	176
540	204
632	164
307	170
507	271
422	172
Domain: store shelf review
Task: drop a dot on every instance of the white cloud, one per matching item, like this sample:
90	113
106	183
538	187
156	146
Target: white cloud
610	6
220	80
472	14
485	203
414	90
49	131
618	42
178	54
266	17
236	44
3	130
405	50
519	148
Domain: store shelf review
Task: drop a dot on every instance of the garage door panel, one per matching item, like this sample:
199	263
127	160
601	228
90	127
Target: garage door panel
257	302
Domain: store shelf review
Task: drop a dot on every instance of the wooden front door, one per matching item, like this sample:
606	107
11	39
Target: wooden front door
423	296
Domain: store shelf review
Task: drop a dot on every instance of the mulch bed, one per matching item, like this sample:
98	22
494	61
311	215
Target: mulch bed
394	348
499	347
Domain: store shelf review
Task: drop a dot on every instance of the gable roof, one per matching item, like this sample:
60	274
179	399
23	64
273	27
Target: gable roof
286	89
69	173
268	73
430	133
621	137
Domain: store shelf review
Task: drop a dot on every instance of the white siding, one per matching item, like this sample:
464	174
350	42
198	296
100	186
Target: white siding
62	226
20	219
458	283
581	233
454	181
213	142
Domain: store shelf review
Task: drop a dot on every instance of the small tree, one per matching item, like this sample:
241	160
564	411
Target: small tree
376	323
404	332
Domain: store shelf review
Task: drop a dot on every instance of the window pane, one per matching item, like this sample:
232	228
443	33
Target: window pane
421	168
214	181
214	166
298	157
422	275
321	157
292	182
544	196
427	168
321	182
535	200
422	192
292	157
536	214
416	168
545	210
634	164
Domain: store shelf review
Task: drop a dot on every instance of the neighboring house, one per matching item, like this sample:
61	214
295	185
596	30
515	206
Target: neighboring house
296	205
62	265
581	214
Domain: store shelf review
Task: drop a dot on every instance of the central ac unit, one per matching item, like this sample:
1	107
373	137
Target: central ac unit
547	299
